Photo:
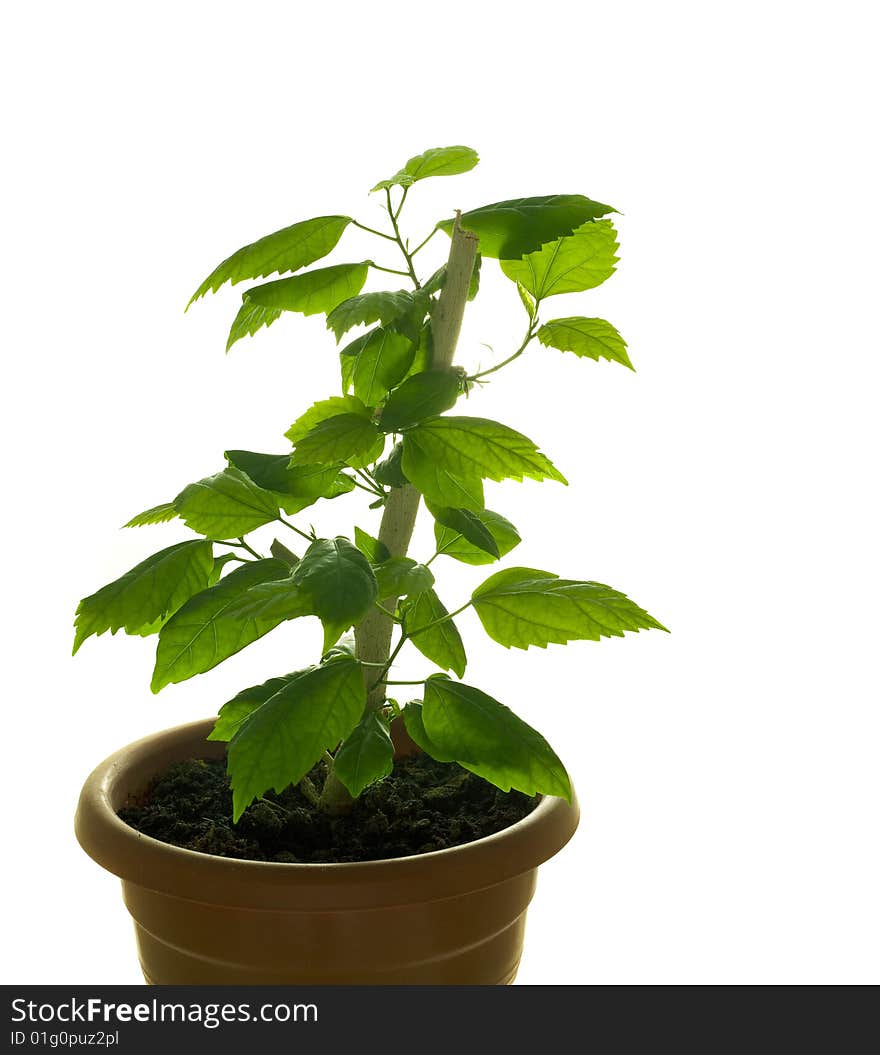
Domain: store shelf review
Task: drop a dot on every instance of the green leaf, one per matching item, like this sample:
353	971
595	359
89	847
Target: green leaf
226	505
510	229
379	361
338	580
439	484
474	287
243	705
281	741
477	448
279	550
520	607
587	338
321	411
295	486
527	299
421	396
415	726
453	544
487	738
204	631
148	593
286	250
348	438
367	754
439	161
385	307
573	264
441	644
470	525
401	576
374	550
157	515
389	472
279	600
310	294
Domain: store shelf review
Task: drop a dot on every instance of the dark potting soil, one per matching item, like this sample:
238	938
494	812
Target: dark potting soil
423	806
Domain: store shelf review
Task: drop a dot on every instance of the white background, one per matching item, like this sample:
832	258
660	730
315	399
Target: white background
728	772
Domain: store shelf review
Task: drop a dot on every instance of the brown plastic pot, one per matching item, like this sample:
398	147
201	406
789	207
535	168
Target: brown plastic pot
452	917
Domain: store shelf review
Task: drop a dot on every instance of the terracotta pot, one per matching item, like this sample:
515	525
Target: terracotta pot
452	917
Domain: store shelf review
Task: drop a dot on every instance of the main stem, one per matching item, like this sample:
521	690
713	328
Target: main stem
373	634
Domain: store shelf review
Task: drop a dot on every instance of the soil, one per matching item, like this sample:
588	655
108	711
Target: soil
423	806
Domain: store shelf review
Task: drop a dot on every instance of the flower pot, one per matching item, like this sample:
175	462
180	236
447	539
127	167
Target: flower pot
451	917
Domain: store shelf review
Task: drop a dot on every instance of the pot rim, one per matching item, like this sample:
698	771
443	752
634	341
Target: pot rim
197	876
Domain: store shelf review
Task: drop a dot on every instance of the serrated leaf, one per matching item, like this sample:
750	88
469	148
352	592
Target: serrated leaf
160	514
374	550
473	448
441	644
420	396
204	631
310	294
510	229
385	307
379	361
467	524
573	264
439	161
453	544
279	600
520	607
243	705
339	582
295	487
528	301
487	738
401	576
281	741
366	755
226	505
147	593
286	250
587	338
439	484
321	411
347	438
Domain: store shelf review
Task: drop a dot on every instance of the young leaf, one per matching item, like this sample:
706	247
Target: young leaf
348	438
148	593
440	485
366	755
279	550
338	580
510	229
310	294
243	705
520	607
379	361
420	396
226	505
294	486
487	738
400	576
453	544
157	515
281	741
440	161
415	726
528	301
389	472
587	338
478	447
204	631
385	307
569	265
374	550
441	644
321	411
286	250
470	526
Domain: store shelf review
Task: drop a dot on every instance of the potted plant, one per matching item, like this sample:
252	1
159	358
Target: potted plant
299	873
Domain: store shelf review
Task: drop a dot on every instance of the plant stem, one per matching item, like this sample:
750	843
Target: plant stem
372	230
390	270
245	546
293	527
531	333
393	215
373	634
424	242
